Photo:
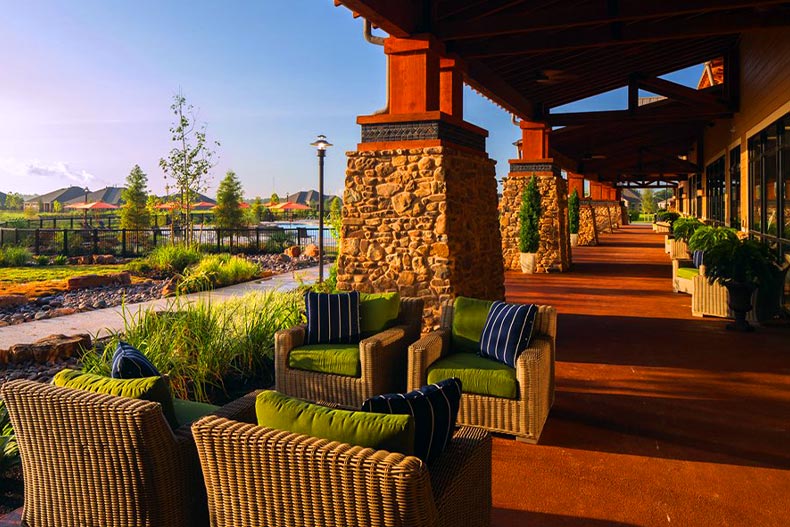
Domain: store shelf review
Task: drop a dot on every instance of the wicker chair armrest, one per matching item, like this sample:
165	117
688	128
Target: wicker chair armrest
423	353
411	310
681	262
251	473
382	357
284	341
461	479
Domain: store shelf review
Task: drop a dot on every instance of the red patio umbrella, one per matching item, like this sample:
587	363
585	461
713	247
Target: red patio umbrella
170	205
291	205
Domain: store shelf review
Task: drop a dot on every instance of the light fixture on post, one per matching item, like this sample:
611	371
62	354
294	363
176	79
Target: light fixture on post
321	144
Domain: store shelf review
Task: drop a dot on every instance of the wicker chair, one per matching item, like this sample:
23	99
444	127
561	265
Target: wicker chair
91	459
382	359
522	417
713	299
684	284
259	476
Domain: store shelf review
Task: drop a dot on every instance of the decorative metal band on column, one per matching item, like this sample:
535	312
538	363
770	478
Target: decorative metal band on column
535	167
421	131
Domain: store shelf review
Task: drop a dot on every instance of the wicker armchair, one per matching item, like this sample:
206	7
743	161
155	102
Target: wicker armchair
522	417
259	476
382	359
684	282
713	299
91	459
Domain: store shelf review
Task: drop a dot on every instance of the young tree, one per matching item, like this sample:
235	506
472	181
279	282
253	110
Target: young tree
134	212
57	206
257	209
228	214
529	218
14	201
335	217
275	199
648	201
191	159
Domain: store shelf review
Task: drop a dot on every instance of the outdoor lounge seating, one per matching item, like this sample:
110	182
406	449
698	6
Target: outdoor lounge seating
683	274
677	248
713	299
519	399
92	459
374	366
258	476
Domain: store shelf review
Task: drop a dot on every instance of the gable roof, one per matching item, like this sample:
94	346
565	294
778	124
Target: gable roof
110	195
63	195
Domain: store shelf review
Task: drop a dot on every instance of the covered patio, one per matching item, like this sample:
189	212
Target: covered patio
660	418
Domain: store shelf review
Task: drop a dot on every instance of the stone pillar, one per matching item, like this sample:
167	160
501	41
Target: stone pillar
554	251
588	235
420	200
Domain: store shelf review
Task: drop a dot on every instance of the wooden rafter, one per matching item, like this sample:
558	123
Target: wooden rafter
640	115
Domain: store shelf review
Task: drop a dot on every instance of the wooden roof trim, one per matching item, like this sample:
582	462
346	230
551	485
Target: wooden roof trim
401	18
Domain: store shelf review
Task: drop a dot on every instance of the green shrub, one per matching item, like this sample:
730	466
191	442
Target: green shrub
573	212
278	241
60	259
41	259
684	228
667	216
13	256
529	218
744	261
705	237
208	349
9	450
173	258
218	270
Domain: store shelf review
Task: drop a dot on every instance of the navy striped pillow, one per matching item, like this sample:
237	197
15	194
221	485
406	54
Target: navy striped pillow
332	318
129	363
507	331
696	257
434	408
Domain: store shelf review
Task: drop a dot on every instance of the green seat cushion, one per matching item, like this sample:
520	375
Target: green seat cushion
378	311
146	388
392	432
478	374
338	359
687	272
190	411
469	317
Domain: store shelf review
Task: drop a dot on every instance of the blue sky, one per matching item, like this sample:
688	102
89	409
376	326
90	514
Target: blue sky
85	90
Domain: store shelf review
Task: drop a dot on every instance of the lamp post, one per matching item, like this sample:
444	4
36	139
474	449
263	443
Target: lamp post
87	190
321	144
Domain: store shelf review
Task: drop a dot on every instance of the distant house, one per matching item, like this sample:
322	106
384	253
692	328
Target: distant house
111	195
632	200
309	198
3	196
198	197
46	203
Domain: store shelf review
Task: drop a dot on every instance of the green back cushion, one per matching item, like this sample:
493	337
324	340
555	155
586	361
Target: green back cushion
469	317
394	433
378	311
687	272
146	388
478	374
338	359
190	411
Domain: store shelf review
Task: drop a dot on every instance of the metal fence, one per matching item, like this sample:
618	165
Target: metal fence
129	242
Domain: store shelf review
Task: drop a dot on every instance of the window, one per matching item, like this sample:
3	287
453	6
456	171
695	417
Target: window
735	187
680	199
714	191
586	188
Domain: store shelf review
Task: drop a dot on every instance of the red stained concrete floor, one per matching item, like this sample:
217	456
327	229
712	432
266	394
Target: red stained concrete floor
660	418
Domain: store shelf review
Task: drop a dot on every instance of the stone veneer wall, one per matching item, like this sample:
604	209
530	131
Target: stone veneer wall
554	251
587	233
423	222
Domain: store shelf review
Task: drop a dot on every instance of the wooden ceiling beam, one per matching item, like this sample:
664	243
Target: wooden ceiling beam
494	87
584	14
622	34
666	115
400	19
682	94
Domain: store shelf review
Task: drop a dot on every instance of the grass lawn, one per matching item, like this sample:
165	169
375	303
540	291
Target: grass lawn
47	280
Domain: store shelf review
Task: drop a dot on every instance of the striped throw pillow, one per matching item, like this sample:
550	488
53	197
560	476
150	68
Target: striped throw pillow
129	363
332	318
434	408
696	257
507	331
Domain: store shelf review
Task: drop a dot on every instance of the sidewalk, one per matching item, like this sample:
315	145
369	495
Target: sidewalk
101	321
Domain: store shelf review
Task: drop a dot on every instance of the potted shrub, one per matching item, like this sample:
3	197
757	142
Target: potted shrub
705	237
529	226
573	217
741	266
684	228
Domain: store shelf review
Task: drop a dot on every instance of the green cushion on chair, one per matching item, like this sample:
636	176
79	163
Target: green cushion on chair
392	432
190	411
478	374
378	311
687	272
469	317
338	359
146	388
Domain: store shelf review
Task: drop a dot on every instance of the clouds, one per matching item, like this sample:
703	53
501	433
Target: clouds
43	176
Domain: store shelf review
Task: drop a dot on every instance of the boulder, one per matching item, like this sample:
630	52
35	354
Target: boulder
293	251
170	287
12	300
94	280
104	259
311	251
51	348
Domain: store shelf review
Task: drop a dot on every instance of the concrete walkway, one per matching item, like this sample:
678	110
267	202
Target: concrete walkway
102	321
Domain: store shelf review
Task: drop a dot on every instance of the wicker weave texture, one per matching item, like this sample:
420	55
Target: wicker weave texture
678	249
524	416
681	285
100	460
259	476
382	360
713	300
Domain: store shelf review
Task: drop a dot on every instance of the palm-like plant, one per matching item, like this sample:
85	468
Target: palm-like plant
705	237
747	262
684	228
